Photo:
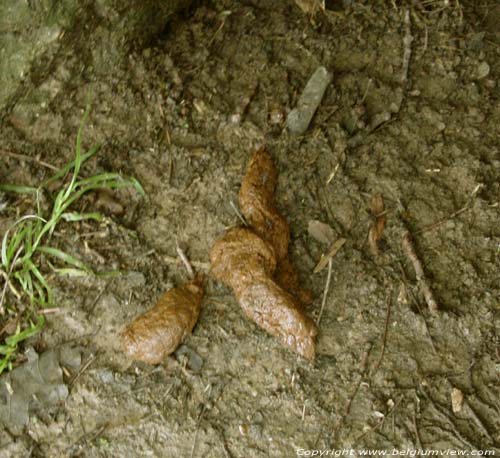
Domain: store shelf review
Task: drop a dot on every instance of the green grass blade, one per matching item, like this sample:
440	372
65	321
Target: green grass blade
67	258
24	279
14	246
42	280
101	178
18	189
28	332
10	249
28	239
40	299
78	155
71	165
106	184
5	350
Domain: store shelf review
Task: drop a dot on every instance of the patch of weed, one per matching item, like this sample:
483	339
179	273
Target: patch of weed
26	248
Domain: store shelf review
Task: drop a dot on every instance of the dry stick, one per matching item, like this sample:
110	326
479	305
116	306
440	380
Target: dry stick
91	359
238	213
466	207
442	221
386	329
24	157
198	422
362	378
427	330
198	264
409	250
407	40
185	260
325	292
381	422
417	434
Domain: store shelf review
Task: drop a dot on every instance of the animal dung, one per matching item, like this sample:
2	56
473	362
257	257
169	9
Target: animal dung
254	262
256	200
158	332
246	263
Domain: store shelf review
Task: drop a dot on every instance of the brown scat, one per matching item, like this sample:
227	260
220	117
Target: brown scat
260	175
240	250
287	277
158	332
245	262
256	202
276	311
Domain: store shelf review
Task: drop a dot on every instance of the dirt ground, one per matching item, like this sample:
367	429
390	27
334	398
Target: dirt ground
183	116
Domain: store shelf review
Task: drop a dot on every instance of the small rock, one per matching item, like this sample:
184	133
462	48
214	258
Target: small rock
483	70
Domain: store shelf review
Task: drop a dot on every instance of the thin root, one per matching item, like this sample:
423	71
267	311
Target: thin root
185	261
409	250
325	292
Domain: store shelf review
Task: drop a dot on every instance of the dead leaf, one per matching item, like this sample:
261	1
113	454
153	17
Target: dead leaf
321	232
311	7
457	399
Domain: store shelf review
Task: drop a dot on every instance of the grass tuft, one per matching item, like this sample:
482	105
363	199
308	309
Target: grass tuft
26	248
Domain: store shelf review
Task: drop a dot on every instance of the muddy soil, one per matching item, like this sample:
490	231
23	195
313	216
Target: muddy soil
183	116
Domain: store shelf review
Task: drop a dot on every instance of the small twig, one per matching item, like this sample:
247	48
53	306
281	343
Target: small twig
238	213
49	310
97	298
417	434
24	157
386	329
427	330
409	251
381	422
368	85
83	369
442	221
224	15
185	260
407	40
347	408
332	251
175	260
325	292
333	173
466	207
198	425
